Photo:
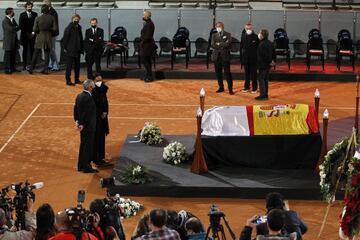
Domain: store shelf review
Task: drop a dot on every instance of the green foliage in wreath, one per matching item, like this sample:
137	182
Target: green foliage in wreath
136	174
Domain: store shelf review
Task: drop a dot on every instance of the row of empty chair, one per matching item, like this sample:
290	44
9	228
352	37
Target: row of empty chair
199	4
181	45
75	4
322	4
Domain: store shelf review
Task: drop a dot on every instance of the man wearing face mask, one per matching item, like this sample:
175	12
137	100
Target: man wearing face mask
85	121
147	45
27	35
10	41
73	47
249	44
265	55
102	124
220	42
94	39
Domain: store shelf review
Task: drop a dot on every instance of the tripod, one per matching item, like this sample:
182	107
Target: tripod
217	229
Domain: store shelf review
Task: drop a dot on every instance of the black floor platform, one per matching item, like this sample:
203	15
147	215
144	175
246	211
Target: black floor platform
178	181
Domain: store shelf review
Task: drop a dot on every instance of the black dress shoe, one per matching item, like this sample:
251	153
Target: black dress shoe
103	163
45	72
30	71
70	84
90	170
261	98
231	92
78	82
220	90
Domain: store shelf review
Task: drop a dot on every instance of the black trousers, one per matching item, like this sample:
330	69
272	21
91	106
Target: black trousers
264	81
34	59
28	47
91	58
87	139
9	60
99	148
70	62
221	66
250	74
146	60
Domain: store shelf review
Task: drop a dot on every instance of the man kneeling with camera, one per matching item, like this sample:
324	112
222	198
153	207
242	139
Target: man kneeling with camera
30	225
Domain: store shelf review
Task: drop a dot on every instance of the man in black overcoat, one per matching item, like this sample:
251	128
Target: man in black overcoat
27	35
102	123
94	41
249	44
10	41
73	45
147	45
85	120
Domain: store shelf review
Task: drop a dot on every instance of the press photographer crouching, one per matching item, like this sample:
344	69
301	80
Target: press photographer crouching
29	227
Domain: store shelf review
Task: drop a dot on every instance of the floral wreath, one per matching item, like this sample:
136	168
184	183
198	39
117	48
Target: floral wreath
150	134
175	153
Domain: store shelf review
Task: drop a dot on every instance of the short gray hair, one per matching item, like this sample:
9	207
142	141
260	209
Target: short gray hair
88	83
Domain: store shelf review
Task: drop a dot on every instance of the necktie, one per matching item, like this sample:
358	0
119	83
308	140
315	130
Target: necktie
29	15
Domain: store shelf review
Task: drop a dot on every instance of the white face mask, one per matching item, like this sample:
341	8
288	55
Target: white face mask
98	84
218	29
248	32
260	36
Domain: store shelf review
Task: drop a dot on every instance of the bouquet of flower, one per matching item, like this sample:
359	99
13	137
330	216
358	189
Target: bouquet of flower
329	169
130	208
350	217
136	175
175	153
150	134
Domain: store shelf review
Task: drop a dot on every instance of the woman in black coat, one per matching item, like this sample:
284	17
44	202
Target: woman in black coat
147	45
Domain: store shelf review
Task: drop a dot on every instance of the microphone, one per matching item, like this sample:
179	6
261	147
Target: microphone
37	185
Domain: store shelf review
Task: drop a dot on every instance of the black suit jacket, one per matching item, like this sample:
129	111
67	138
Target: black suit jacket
73	42
94	42
102	105
85	111
10	40
249	45
147	42
265	54
26	25
53	13
221	46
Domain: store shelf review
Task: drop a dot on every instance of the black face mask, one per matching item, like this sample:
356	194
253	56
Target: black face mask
76	23
145	20
93	26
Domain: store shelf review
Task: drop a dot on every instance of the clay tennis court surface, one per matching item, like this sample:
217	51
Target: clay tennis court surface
38	140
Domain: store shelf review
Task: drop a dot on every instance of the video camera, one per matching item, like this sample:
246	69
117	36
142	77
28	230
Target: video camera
215	216
215	225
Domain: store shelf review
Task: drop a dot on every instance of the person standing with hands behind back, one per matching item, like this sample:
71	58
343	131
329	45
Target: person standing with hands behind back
220	42
265	57
147	45
249	44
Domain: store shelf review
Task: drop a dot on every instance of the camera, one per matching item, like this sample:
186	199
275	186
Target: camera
215	216
111	214
260	220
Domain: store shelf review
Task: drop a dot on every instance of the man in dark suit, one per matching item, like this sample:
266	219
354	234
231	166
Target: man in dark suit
249	44
94	39
102	123
265	59
220	43
53	63
10	41
85	120
27	35
147	45
73	45
44	27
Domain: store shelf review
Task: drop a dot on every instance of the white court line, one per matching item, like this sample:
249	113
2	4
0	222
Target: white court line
184	105
18	129
124	118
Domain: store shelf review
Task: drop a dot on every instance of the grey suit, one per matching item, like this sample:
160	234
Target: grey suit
220	43
10	43
45	27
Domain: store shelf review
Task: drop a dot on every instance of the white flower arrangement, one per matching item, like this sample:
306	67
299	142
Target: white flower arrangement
136	174
130	208
151	134
175	153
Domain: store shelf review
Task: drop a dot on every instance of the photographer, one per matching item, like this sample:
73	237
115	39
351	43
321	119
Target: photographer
69	228
195	230
30	225
109	224
45	219
142	227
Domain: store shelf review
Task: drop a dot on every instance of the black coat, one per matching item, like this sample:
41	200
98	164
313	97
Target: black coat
265	54
10	41
53	13
102	105
147	42
220	44
85	111
26	25
249	45
94	42
73	42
